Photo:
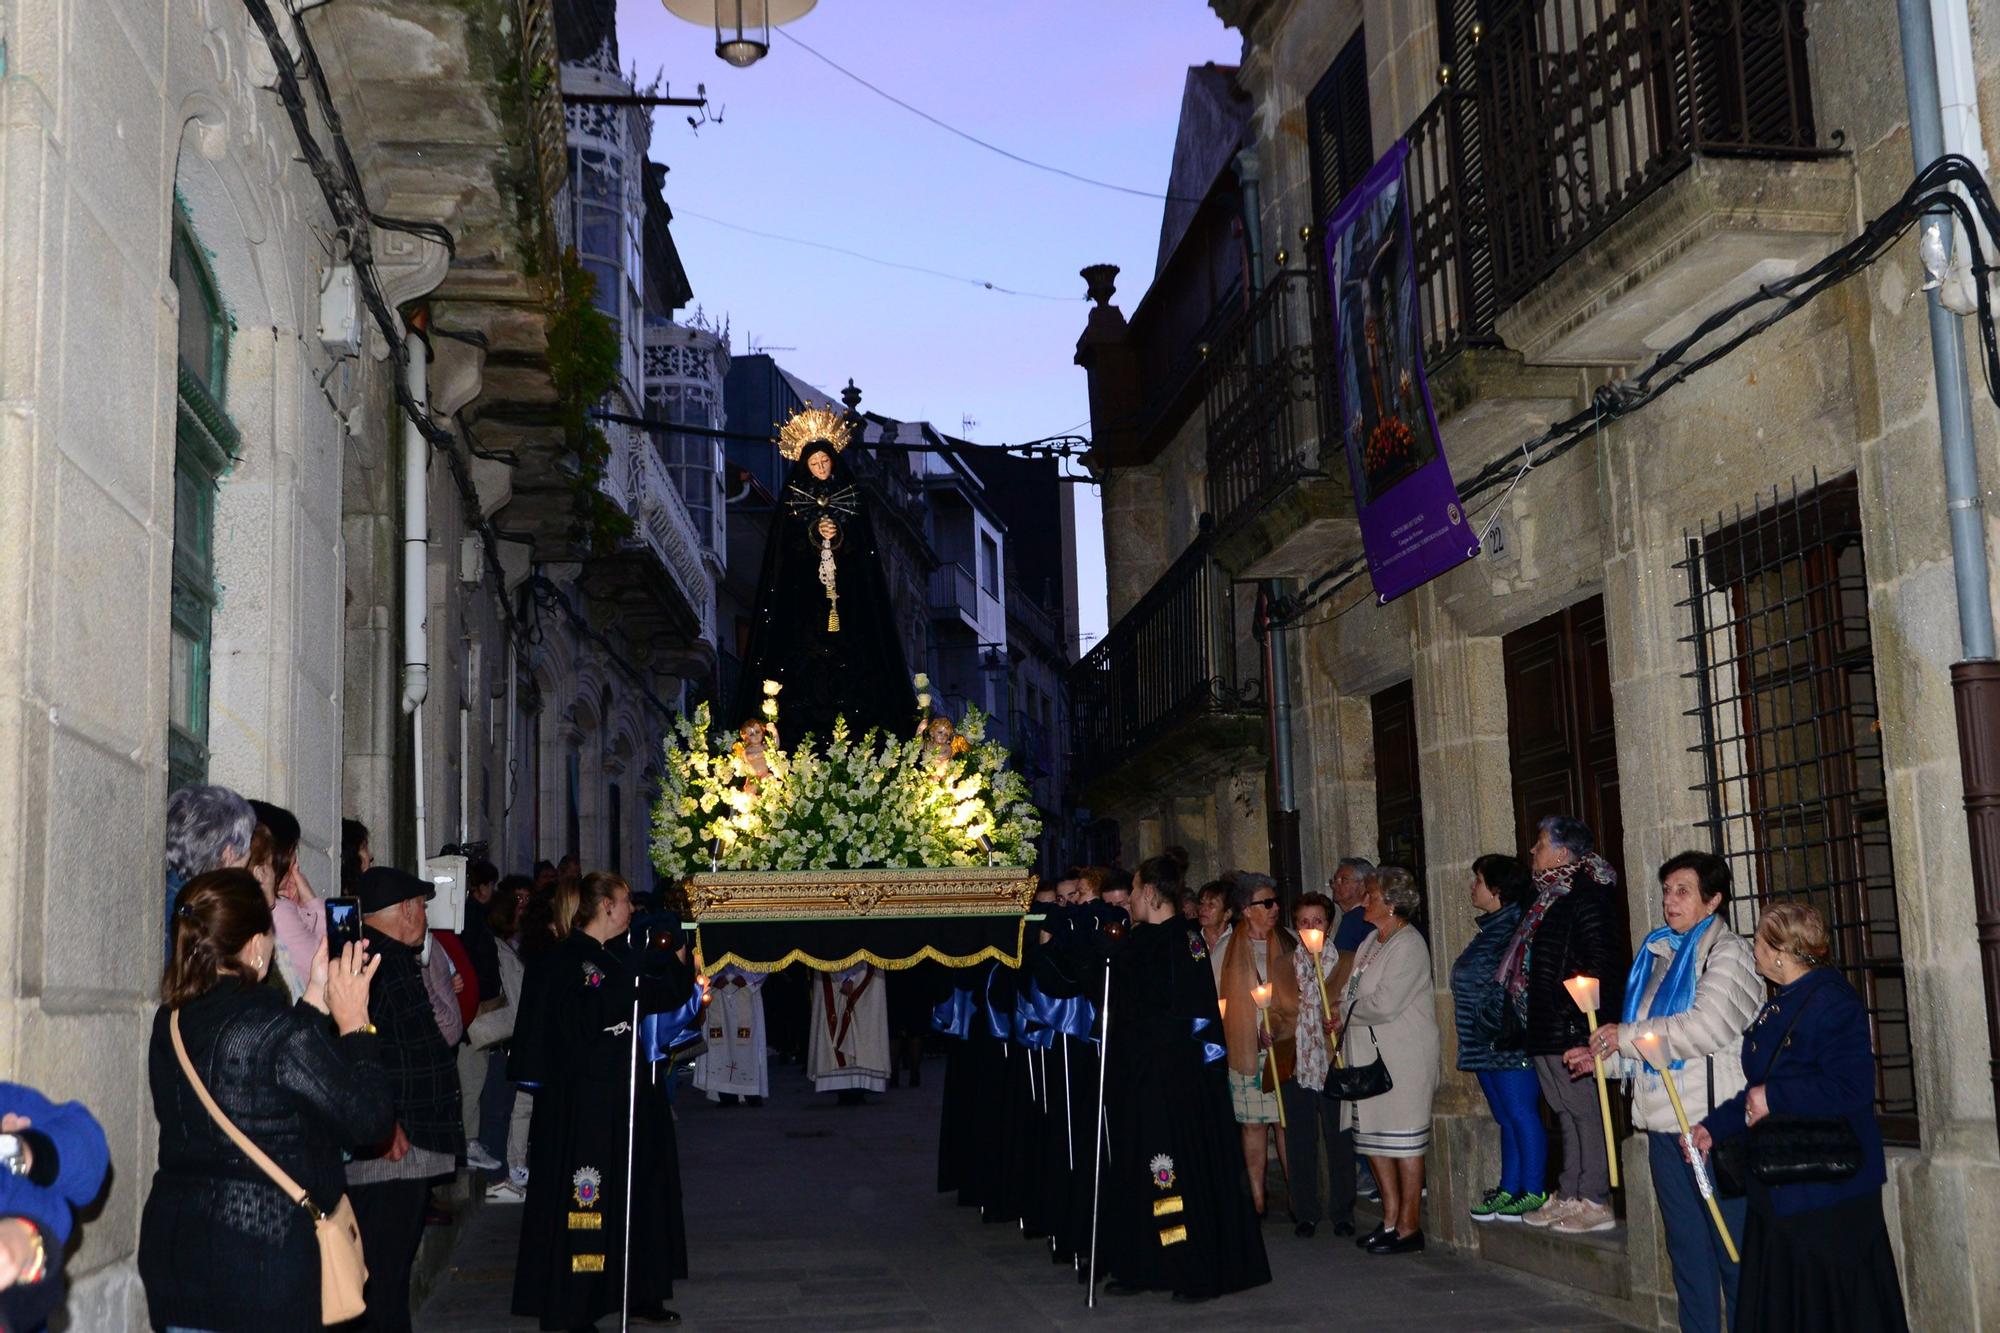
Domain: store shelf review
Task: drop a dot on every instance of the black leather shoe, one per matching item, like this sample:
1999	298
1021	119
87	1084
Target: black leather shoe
1343	1228
655	1316
1363	1242
1394	1244
1304	1230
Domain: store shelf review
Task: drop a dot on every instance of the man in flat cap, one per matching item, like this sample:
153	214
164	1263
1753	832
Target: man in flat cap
388	1188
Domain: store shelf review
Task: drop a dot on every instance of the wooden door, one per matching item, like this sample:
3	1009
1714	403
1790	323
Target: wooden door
1561	736
1399	806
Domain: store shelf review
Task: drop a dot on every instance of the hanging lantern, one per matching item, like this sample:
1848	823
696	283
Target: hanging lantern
742	27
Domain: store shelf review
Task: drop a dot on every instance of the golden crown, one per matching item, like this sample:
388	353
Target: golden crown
809	424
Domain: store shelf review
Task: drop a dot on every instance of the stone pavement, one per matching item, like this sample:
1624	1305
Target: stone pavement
803	1214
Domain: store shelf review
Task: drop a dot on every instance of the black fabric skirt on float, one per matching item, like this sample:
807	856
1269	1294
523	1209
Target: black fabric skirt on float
1830	1270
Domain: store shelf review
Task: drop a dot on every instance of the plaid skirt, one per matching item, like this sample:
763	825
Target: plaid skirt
1253	1106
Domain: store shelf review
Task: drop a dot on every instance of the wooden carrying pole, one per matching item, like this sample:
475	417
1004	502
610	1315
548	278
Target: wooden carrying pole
1649	1047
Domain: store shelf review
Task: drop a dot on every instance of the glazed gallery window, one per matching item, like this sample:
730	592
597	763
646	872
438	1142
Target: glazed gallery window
205	443
1792	748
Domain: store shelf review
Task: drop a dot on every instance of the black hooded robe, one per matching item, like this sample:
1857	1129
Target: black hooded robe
577	1004
1176	1211
857	671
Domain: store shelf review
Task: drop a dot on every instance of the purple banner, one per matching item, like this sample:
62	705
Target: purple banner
1412	526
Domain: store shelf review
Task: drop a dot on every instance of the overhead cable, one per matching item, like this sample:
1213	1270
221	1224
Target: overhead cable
1929	193
949	128
683	213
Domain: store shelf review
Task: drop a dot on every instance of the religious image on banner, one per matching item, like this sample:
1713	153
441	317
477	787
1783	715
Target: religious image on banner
1412	526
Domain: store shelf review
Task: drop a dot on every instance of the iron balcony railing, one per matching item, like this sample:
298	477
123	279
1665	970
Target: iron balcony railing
953	591
1175	656
1269	395
1588	106
1442	179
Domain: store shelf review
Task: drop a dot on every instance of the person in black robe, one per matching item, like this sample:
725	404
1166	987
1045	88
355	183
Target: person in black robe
1176	1202
574	1044
824	626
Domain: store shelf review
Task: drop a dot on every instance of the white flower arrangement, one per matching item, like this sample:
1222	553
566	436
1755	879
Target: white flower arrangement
875	801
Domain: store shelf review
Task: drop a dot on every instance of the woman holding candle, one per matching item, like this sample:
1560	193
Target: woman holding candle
1388	1011
1694	986
1501	892
1566	932
1816	1254
1260	1036
1311	1119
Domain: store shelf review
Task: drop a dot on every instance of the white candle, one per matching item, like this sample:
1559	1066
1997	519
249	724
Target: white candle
1313	938
1584	991
1261	994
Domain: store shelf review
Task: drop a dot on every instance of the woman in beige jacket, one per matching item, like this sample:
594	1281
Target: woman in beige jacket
1695	985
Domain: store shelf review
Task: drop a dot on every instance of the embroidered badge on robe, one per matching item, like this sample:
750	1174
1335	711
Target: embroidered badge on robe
588	1185
593	975
1161	1168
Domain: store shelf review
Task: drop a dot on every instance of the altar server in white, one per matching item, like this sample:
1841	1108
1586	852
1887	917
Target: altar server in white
736	1063
850	1033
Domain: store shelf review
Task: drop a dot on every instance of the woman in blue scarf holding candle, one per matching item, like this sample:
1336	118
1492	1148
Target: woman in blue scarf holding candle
1694	984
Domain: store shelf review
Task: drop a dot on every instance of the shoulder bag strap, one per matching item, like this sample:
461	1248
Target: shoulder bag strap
286	1185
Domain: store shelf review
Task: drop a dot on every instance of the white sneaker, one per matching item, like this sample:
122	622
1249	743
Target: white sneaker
1551	1212
479	1159
505	1191
1584	1217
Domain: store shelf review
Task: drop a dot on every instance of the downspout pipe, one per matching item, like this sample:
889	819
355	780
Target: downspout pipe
1283	824
1975	679
1249	183
416	579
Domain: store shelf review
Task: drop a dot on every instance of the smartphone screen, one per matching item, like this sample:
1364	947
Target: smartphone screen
343	924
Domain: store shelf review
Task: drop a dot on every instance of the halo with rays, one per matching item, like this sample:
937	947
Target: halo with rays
809	424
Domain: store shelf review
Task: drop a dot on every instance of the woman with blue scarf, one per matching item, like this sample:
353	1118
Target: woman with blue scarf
1694	984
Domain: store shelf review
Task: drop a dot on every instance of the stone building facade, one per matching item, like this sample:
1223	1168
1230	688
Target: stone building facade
1724	621
203	516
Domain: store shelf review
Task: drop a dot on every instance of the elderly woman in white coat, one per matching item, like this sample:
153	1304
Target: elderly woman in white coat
1694	985
1387	1008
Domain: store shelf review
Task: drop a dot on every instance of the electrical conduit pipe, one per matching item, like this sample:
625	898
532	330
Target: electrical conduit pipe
416	576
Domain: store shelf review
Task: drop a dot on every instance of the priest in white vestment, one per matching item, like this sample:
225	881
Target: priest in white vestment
736	1063
849	1053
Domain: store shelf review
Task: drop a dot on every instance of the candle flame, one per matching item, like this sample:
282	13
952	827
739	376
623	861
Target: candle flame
1649	1044
1261	994
1313	938
1583	990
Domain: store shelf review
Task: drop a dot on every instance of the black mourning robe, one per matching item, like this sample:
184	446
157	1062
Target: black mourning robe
857	672
1177	1214
575	1044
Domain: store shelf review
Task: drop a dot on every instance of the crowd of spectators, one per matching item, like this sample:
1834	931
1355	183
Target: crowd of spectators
371	1073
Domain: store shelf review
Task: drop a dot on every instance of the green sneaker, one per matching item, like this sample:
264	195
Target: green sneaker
1496	1199
1519	1206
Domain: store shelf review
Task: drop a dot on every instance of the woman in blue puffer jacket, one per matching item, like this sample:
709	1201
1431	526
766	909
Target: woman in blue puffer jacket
1501	891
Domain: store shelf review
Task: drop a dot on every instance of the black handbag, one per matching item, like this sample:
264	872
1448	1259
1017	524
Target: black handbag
1347	1083
1787	1149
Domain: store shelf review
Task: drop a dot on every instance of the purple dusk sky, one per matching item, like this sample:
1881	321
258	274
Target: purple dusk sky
1093	88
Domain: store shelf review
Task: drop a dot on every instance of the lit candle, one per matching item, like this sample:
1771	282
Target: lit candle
1313	938
1222	1006
1584	991
1261	994
1652	1048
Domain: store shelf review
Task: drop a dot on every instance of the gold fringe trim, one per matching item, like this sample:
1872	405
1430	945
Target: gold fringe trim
586	1221
925	954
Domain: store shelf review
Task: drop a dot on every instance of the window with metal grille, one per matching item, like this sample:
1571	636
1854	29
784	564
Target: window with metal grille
1791	744
1339	137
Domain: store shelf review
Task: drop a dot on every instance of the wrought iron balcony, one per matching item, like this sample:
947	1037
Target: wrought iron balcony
954	592
1585	109
1177	667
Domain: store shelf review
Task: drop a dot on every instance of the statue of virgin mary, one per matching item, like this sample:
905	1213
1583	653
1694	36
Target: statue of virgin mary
824	626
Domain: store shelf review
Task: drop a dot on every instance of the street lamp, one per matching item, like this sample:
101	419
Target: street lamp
742	27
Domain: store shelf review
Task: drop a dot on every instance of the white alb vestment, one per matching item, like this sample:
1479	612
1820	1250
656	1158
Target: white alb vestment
850	1032
736	1060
